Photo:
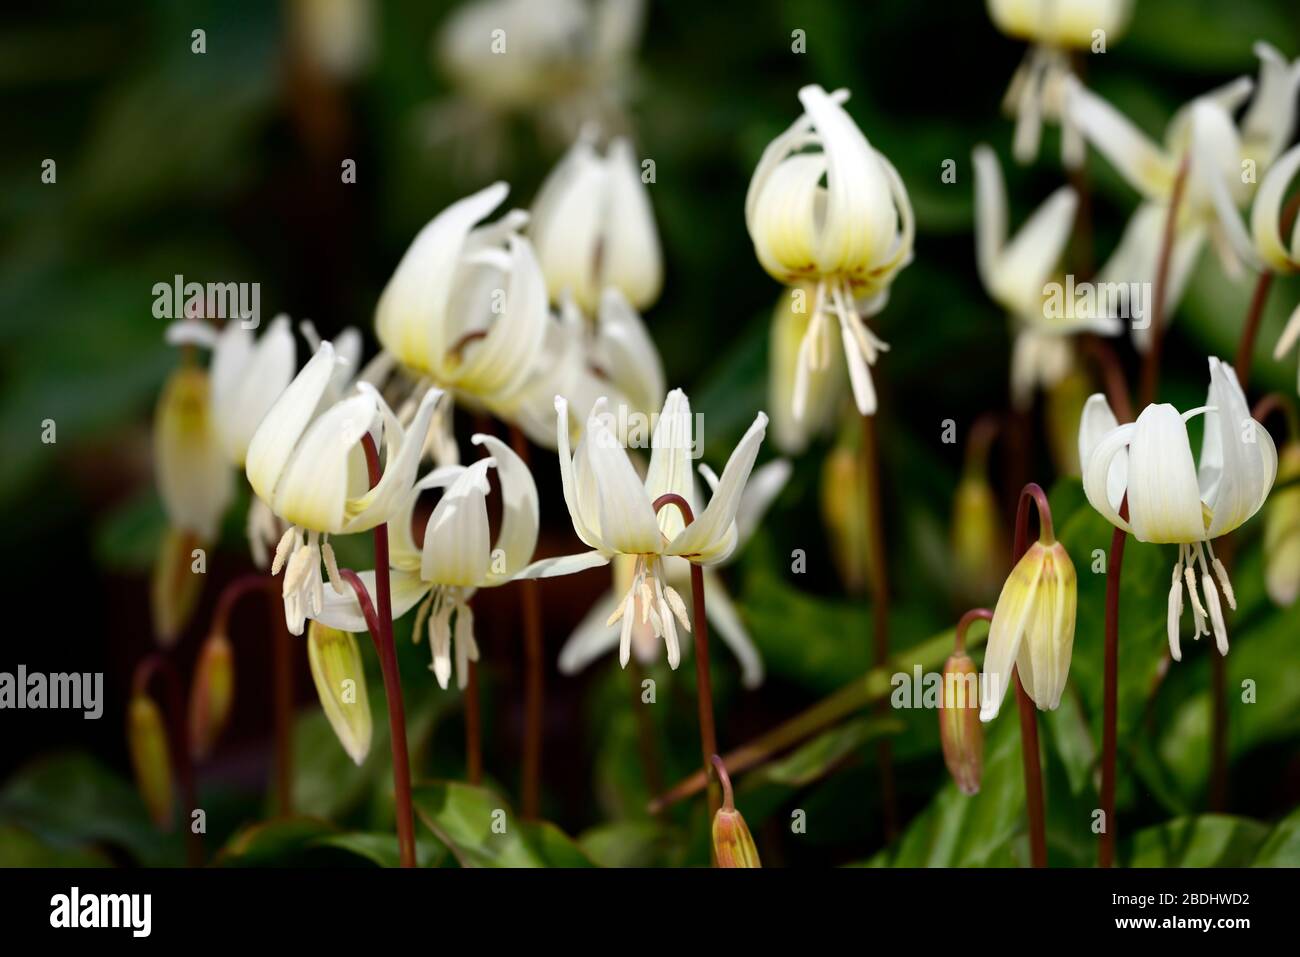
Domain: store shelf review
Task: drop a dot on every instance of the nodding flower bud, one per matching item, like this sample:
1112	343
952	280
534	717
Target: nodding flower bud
960	730
733	845
211	694
1282	532
146	739
1032	628
174	587
844	512
978	546
340	680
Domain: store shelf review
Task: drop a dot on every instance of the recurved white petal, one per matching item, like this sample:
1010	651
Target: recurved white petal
410	315
725	618
712	536
343	611
625	352
283	425
519	510
565	565
404	448
627	522
630	256
1266	215
990	213
1144	164
1238	457
1098	469
313	489
579	510
670	460
247	378
1095	423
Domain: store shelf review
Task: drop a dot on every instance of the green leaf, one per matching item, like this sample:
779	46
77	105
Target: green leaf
1210	840
820	756
644	843
480	830
74	799
21	848
382	849
1282	847
276	843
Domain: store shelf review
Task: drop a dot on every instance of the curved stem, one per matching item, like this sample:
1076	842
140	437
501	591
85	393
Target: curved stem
968	619
880	610
703	681
1034	807
1250	328
381	632
282	675
1110	693
157	663
1151	361
728	798
473	727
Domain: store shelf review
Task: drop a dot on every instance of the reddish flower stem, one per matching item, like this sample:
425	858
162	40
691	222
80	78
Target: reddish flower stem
473	727
381	632
1034	806
1151	361
157	664
968	619
703	682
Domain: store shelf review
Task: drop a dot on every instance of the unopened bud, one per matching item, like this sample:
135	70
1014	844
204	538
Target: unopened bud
212	694
340	680
977	543
1061	416
733	845
146	739
1282	532
960	730
174	588
844	511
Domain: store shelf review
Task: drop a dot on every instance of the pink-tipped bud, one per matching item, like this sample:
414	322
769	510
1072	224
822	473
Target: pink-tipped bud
960	730
733	845
212	694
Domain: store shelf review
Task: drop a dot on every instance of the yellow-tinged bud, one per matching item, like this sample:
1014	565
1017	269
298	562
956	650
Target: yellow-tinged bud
212	694
195	480
1032	629
978	547
844	512
733	845
146	739
1282	532
340	679
960	730
174	588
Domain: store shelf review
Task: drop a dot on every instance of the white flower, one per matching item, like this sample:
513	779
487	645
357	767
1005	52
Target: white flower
1269	246
1016	274
457	555
849	237
593	227
467	306
612	512
1054	28
822	395
561	61
306	462
616	358
595	636
1202	134
1173	500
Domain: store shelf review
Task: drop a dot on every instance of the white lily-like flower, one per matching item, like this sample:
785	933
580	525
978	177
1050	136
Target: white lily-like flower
1017	273
306	462
1270	250
848	238
456	557
1054	28
593	227
466	306
616	358
1224	160
824	393
1172	499
612	512
559	62
596	636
